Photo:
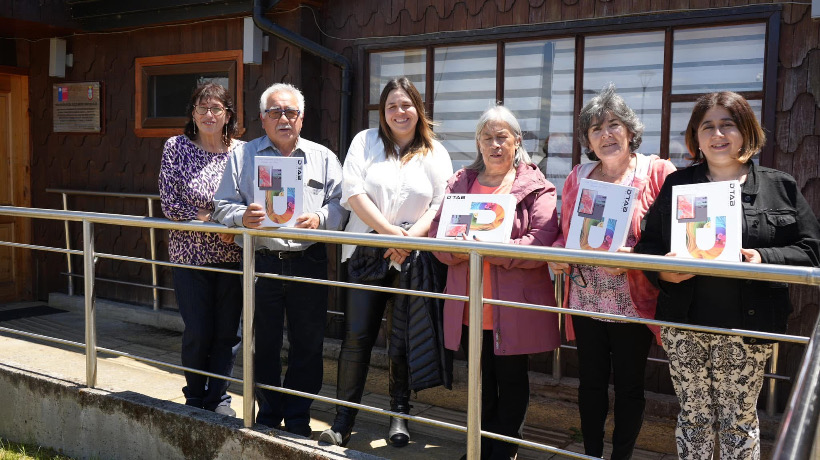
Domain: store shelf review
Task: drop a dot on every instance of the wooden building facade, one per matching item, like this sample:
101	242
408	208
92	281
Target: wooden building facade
542	58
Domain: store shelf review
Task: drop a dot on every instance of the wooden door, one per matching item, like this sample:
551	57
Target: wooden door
15	263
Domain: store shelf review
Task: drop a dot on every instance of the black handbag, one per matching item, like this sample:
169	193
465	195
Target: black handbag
367	264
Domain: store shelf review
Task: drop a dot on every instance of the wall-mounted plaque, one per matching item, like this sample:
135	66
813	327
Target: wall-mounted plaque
77	107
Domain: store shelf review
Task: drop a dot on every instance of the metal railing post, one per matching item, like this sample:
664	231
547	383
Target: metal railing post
771	394
90	323
795	438
815	448
68	246
559	301
152	234
474	356
248	332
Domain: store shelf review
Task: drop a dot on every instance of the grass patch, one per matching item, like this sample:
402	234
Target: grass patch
17	451
576	435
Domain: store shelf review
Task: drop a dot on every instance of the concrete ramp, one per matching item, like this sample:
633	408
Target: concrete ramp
91	423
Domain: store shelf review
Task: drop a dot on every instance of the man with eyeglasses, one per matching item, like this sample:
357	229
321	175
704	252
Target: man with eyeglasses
282	108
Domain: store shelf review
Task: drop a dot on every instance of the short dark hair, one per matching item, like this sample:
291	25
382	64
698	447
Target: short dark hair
742	114
218	92
608	102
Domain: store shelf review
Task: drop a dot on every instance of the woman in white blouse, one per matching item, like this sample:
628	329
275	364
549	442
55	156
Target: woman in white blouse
393	181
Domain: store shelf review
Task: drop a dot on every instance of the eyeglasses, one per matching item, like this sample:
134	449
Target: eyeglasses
216	110
290	114
577	277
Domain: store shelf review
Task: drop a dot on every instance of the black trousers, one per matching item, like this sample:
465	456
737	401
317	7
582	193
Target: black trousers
505	396
363	319
210	304
305	307
621	348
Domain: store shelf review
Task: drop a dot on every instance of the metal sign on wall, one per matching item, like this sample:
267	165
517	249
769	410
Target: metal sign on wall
77	108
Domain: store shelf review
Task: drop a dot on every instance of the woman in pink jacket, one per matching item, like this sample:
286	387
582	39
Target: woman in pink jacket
610	132
510	334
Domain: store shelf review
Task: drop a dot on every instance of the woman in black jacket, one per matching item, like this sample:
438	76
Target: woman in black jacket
717	377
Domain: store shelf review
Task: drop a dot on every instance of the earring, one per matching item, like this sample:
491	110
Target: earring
195	128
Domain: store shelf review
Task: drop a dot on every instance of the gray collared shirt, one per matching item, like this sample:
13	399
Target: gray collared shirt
322	189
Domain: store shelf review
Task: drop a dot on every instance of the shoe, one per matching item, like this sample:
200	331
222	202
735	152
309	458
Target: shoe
398	435
301	430
225	410
339	433
334	438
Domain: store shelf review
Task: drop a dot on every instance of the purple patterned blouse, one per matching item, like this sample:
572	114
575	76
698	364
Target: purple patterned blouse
188	179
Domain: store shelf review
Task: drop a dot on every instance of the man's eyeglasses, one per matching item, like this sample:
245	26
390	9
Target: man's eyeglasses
577	277
290	114
202	110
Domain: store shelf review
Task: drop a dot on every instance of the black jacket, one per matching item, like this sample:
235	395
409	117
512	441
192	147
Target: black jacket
779	224
417	328
416	322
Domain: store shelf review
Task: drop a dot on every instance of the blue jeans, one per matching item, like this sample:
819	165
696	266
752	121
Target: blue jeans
210	304
305	308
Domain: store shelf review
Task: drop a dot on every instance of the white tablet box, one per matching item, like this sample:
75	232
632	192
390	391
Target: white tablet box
601	216
488	217
706	221
278	188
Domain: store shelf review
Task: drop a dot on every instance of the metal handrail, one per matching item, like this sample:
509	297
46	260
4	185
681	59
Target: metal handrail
152	237
477	251
150	196
795	438
769	272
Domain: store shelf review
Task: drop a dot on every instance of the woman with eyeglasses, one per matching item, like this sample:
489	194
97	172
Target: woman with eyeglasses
210	303
509	335
393	181
718	377
610	132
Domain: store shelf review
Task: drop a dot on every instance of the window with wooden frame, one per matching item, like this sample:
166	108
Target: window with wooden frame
659	66
164	85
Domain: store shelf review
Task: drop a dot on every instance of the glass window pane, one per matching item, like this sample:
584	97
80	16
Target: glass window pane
539	87
634	63
464	88
168	95
386	66
719	58
373	119
681	112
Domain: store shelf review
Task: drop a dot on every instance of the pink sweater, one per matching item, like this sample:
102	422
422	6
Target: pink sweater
650	173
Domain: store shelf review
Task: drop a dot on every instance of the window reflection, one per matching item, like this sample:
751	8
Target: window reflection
464	88
539	78
726	58
539	87
386	66
634	63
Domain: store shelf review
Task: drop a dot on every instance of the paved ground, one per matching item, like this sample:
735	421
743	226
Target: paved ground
120	373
